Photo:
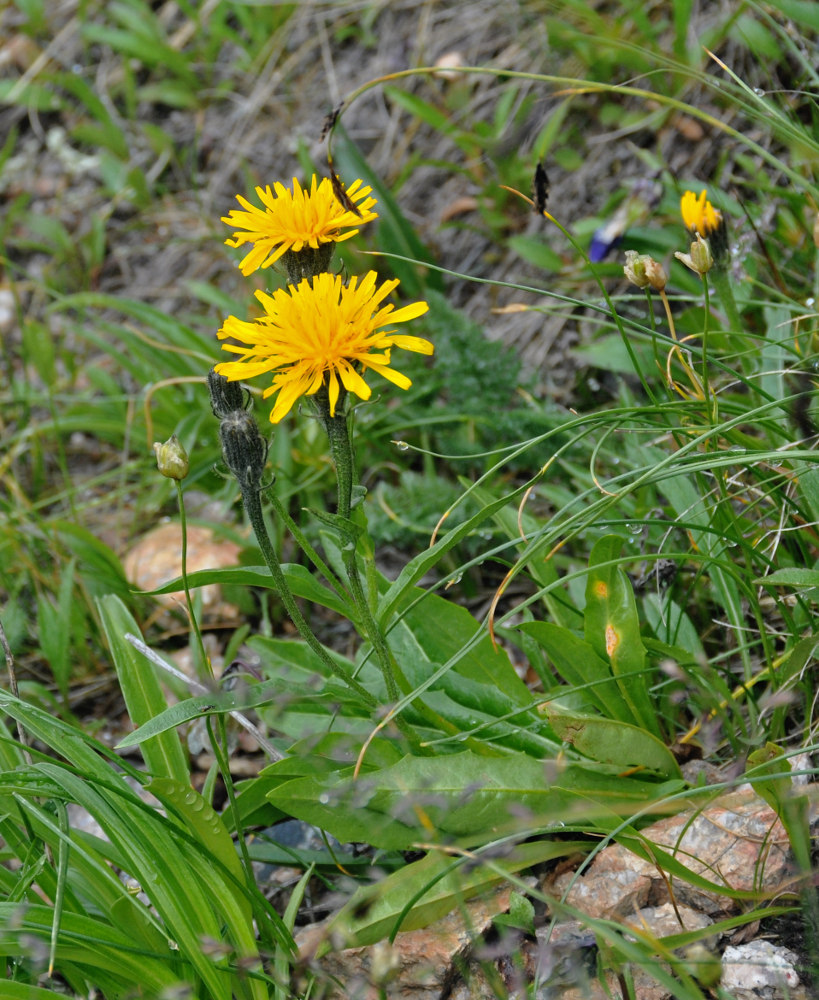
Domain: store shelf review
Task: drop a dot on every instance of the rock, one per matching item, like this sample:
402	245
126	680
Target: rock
660	921
737	841
759	969
420	964
157	558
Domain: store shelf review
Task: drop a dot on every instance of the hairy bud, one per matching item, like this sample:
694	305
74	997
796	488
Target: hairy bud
225	396
243	448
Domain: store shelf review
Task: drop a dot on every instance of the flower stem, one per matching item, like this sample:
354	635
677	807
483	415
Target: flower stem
341	449
251	497
204	666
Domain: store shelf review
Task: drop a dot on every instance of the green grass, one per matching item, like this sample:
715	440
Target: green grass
647	546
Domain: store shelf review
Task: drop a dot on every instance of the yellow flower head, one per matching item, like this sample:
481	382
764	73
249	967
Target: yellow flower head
698	214
321	332
292	220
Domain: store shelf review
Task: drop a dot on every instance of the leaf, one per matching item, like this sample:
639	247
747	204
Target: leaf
22	991
670	623
163	754
98	566
295	668
345	529
580	666
441	628
464	795
791	576
213	703
426	890
88	943
299	578
54	630
613	629
612	742
198	818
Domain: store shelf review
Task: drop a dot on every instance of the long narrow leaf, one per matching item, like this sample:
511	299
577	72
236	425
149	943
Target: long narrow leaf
164	755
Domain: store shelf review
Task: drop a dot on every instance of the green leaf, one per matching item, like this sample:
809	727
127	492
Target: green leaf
89	943
535	251
21	991
465	795
613	629
299	578
441	628
421	109
804	12
213	703
98	566
295	668
199	819
791	576
143	695
426	890
344	528
54	630
612	742
672	625
416	568
580	666
188	891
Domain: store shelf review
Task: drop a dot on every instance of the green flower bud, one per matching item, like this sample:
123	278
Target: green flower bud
171	458
644	272
699	258
635	268
243	448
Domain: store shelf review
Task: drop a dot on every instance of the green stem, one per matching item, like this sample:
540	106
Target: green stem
251	498
204	667
341	449
306	547
374	634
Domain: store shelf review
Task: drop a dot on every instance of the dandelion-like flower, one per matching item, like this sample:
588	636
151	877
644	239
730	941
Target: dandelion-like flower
698	214
321	333
294	220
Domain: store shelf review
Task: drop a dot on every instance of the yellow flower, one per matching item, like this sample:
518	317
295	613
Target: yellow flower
294	220
698	214
319	333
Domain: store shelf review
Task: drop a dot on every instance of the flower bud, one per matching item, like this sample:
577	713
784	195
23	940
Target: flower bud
816	230
225	396
171	458
655	272
635	268
699	258
243	448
